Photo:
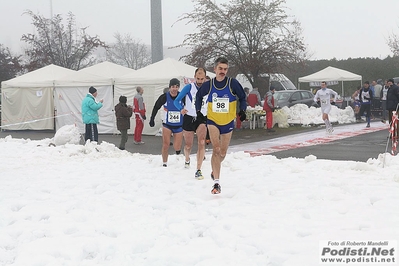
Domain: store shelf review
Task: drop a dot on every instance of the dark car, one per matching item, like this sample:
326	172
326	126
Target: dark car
292	97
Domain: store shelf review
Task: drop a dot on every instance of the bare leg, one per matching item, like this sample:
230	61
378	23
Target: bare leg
177	140
188	143
220	144
166	133
201	134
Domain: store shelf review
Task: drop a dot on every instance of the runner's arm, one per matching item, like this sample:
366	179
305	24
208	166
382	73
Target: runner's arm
158	104
239	91
180	96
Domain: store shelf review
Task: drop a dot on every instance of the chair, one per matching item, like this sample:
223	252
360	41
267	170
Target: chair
252	100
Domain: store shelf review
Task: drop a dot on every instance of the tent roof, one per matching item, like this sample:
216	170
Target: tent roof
108	70
331	74
79	78
42	77
161	71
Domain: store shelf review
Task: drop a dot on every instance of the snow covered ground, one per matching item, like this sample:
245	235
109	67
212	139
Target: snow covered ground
96	205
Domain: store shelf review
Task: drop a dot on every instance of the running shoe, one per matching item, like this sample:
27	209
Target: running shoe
198	175
187	164
216	189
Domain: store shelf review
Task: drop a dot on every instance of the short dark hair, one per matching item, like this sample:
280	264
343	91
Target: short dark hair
366	82
221	60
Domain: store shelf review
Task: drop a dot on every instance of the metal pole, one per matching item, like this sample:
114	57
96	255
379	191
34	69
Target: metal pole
156	31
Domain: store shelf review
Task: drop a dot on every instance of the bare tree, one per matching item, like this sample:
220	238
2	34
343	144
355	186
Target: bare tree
59	44
10	65
129	52
393	43
256	36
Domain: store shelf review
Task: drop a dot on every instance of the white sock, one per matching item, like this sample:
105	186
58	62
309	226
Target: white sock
216	181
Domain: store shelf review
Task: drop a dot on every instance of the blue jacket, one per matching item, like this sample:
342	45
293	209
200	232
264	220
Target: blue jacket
90	110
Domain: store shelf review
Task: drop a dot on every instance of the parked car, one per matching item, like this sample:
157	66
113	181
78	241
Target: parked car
291	97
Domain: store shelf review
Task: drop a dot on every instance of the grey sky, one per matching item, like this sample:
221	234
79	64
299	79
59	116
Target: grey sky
332	28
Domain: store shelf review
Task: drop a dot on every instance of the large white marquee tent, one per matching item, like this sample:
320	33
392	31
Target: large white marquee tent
332	74
27	100
68	94
37	99
108	70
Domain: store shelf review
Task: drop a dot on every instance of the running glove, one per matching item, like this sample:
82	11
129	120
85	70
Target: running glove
242	115
152	122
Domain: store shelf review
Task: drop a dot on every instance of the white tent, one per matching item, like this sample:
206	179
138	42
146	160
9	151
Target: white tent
68	95
331	74
27	100
108	70
153	78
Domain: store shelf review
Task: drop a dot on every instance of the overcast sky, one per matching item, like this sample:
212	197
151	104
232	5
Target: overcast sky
332	28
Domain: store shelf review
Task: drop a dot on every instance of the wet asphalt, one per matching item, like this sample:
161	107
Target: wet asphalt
357	148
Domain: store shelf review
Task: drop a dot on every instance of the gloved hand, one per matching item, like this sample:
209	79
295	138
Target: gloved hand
152	122
200	118
144	117
274	108
242	115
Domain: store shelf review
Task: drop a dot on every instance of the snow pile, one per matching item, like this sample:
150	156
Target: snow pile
96	205
304	115
68	134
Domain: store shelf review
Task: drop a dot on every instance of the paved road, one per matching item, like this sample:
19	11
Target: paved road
357	148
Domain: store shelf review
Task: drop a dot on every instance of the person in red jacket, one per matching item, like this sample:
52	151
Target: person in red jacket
268	106
139	111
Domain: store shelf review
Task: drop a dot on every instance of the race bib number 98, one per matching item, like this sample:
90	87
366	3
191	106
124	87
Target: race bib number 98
220	105
174	116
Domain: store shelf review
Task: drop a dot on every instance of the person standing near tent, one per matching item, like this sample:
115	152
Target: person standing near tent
123	112
190	125
139	111
324	97
269	108
366	98
223	93
90	117
172	120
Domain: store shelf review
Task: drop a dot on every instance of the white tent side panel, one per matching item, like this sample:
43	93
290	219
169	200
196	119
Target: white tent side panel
150	95
27	108
68	104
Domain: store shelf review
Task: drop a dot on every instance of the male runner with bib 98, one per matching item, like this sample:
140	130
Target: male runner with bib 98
223	92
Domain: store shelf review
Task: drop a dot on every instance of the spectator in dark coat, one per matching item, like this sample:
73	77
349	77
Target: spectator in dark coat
123	113
392	102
